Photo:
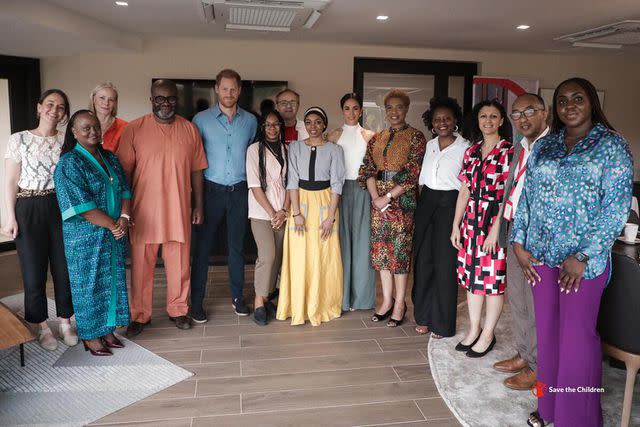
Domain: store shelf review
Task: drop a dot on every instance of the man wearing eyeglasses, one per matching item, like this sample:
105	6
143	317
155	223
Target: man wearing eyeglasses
163	158
287	104
226	130
529	116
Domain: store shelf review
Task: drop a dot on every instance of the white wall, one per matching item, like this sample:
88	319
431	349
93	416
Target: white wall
323	72
5	132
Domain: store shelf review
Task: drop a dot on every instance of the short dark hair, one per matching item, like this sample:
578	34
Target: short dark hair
533	95
349	96
597	115
65	99
472	127
228	73
397	93
440	103
266	106
287	90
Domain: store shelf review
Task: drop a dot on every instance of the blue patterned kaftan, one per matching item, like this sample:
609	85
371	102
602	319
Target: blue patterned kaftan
96	260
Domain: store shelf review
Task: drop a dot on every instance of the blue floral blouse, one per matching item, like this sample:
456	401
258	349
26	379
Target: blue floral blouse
575	202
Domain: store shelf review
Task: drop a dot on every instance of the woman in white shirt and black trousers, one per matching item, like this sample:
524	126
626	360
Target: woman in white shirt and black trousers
434	278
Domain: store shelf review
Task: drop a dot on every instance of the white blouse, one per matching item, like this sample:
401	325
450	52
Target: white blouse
38	157
354	147
440	169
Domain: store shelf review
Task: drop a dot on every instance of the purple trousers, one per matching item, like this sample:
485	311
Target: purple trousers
569	353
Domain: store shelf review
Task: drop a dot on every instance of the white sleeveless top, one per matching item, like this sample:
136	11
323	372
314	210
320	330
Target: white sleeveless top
354	147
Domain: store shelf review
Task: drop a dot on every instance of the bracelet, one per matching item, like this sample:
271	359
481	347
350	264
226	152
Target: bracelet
298	214
125	216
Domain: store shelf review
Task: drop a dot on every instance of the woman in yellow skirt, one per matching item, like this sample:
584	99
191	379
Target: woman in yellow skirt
311	276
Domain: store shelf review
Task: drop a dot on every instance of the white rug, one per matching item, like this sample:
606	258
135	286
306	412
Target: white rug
474	392
69	387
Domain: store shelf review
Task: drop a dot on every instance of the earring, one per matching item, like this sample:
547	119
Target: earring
433	131
455	129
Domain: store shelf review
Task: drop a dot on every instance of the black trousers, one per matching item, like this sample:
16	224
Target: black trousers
435	289
40	245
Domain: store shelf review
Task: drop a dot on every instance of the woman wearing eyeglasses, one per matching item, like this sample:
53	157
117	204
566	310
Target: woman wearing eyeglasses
311	277
268	206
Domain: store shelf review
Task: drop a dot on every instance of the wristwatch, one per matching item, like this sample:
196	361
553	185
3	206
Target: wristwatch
389	195
582	257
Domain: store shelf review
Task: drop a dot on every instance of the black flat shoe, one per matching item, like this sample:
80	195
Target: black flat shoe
380	317
475	354
462	347
394	323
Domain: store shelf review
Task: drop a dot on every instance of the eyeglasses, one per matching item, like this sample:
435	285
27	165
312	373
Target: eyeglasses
528	112
173	100
291	103
271	125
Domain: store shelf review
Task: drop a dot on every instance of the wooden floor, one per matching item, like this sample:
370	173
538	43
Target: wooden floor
347	372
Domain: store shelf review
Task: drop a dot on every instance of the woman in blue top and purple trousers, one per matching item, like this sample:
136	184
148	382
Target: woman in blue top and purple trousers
575	202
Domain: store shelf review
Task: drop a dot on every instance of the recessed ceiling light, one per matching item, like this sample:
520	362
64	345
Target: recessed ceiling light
382	17
122	3
523	27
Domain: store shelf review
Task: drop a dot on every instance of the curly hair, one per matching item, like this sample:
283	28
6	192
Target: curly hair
472	127
442	103
397	93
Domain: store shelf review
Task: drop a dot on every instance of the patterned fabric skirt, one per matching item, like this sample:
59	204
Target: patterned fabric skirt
391	239
311	276
478	271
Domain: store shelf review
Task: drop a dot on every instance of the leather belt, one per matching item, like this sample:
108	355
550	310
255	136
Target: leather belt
34	193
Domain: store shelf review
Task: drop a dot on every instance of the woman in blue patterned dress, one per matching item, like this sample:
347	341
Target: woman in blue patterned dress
575	201
94	201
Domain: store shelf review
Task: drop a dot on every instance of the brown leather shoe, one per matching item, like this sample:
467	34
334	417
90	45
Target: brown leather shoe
511	366
524	380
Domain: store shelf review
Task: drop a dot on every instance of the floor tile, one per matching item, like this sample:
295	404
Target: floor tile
182	422
181	390
182	344
434	408
413	372
182	357
320	336
403	343
213	370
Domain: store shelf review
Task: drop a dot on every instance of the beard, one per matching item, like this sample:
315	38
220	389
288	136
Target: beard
164	115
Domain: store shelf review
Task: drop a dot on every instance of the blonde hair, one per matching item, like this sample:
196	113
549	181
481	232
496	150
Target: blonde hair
103	85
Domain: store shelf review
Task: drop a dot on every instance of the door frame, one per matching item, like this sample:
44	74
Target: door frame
441	70
23	75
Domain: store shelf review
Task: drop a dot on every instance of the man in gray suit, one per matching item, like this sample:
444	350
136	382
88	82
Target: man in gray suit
529	116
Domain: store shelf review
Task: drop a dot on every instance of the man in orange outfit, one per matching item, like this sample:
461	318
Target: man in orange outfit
163	157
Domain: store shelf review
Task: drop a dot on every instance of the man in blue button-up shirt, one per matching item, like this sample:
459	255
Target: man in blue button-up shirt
226	130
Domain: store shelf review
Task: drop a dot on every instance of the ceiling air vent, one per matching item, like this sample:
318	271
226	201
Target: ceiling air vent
264	15
611	36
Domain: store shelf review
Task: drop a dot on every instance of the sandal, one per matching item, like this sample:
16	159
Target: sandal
380	317
436	336
394	323
535	420
422	330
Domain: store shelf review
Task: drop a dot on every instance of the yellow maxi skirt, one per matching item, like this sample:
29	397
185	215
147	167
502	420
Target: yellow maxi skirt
311	276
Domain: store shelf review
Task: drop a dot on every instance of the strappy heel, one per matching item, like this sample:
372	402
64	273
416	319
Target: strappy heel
380	317
394	323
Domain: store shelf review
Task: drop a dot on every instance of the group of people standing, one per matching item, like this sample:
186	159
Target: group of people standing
327	209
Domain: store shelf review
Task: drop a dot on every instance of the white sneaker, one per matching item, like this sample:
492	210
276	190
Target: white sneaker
69	336
47	340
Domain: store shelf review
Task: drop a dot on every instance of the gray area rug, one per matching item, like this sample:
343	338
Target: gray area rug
69	387
474	392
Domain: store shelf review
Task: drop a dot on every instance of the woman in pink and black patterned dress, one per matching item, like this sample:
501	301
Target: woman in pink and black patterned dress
481	261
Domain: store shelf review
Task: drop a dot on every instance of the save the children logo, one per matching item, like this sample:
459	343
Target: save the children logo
538	389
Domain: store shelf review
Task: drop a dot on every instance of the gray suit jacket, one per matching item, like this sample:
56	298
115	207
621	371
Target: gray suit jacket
503	237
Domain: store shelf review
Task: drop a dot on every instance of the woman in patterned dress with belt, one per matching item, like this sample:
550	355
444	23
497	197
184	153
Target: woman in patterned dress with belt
390	173
481	261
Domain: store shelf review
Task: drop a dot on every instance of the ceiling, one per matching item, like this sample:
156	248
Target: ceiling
26	27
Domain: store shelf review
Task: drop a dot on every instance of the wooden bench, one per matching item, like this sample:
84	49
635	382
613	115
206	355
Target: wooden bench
13	331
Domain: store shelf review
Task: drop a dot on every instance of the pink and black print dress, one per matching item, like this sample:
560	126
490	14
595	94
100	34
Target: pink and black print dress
479	272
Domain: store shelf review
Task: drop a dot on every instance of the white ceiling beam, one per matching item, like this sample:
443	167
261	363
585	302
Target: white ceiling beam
41	14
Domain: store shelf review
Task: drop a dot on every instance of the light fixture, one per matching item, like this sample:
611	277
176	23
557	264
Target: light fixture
122	3
382	17
523	27
598	45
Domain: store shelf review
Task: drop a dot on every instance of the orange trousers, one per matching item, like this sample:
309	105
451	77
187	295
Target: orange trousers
143	262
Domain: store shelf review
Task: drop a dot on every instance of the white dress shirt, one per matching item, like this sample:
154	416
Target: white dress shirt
354	147
440	168
526	151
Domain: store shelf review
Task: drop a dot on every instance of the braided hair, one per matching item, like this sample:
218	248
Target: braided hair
261	139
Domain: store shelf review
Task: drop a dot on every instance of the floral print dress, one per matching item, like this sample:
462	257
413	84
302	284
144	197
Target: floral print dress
478	271
400	151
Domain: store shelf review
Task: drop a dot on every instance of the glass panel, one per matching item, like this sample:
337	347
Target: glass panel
5	132
456	89
420	89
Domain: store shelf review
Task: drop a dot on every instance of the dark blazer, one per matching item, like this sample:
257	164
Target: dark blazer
503	237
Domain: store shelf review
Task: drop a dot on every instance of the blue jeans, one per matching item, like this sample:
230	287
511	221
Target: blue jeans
220	201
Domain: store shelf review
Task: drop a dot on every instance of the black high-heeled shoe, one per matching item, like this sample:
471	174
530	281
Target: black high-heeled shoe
462	347
113	342
475	354
380	317
394	323
100	352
